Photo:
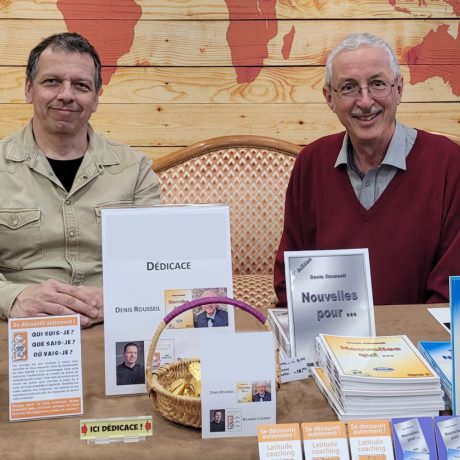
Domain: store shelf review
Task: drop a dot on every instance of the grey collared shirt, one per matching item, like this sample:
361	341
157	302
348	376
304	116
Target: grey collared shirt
368	187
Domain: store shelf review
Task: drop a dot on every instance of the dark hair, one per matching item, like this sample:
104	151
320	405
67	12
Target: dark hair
129	344
67	41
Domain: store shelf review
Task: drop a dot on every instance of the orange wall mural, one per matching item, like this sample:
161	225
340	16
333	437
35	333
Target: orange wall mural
178	72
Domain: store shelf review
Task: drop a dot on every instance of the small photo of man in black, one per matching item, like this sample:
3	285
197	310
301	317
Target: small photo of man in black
217	420
131	370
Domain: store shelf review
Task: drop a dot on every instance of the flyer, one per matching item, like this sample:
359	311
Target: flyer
370	440
45	377
447	430
414	438
238	387
279	441
154	260
325	440
328	292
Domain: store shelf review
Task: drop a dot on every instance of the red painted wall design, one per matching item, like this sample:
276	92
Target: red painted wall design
110	29
248	40
435	44
112	24
427	52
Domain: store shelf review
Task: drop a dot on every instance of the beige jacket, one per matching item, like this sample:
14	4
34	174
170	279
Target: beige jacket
46	232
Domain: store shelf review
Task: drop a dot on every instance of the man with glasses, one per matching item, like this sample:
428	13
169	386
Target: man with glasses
379	185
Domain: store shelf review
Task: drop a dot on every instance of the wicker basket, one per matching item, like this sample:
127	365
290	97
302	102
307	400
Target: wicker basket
185	410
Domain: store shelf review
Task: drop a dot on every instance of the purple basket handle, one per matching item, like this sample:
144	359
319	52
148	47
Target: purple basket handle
210	300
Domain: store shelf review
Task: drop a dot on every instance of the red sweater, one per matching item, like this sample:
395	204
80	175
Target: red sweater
412	231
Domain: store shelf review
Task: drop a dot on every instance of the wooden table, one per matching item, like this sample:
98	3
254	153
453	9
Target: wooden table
59	438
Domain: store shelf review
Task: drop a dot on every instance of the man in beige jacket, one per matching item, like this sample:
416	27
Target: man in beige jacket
55	176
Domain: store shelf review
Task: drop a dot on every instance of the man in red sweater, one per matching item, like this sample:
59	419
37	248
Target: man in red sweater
379	185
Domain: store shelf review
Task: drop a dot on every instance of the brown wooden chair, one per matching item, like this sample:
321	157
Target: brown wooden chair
250	174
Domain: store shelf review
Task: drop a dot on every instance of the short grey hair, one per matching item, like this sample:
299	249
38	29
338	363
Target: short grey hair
354	41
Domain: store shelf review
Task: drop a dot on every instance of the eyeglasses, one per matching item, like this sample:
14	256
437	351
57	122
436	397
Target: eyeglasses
376	89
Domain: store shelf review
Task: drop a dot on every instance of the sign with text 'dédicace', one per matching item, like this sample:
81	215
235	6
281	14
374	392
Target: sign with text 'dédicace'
156	259
106	431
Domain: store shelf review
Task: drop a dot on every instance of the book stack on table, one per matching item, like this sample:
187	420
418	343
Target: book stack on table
278	319
376	377
439	356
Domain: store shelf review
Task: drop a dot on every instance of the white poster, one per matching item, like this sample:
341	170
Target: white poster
454	296
154	260
238	387
45	367
327	292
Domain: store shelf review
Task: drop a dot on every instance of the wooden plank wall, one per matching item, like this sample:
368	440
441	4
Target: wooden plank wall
181	71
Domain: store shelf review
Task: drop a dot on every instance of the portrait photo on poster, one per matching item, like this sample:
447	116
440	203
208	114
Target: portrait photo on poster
210	315
261	391
217	420
130	368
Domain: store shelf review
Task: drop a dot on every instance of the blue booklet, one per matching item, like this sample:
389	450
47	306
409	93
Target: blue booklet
454	295
447	432
439	355
414	439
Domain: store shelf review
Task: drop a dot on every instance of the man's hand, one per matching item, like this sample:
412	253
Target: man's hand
56	298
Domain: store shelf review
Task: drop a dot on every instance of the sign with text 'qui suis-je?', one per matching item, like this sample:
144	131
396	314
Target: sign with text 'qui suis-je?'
45	367
154	260
327	292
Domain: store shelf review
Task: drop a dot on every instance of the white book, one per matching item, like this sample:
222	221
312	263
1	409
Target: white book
327	292
279	322
344	414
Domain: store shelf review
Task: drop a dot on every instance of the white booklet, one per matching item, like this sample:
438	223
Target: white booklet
238	386
327	292
154	260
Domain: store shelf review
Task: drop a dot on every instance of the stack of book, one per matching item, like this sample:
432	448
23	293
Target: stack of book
372	377
278	319
439	356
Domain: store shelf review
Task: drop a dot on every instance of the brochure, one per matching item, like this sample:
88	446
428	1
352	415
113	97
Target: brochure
279	441
447	431
439	355
328	292
45	367
370	440
325	440
238	386
154	260
414	438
